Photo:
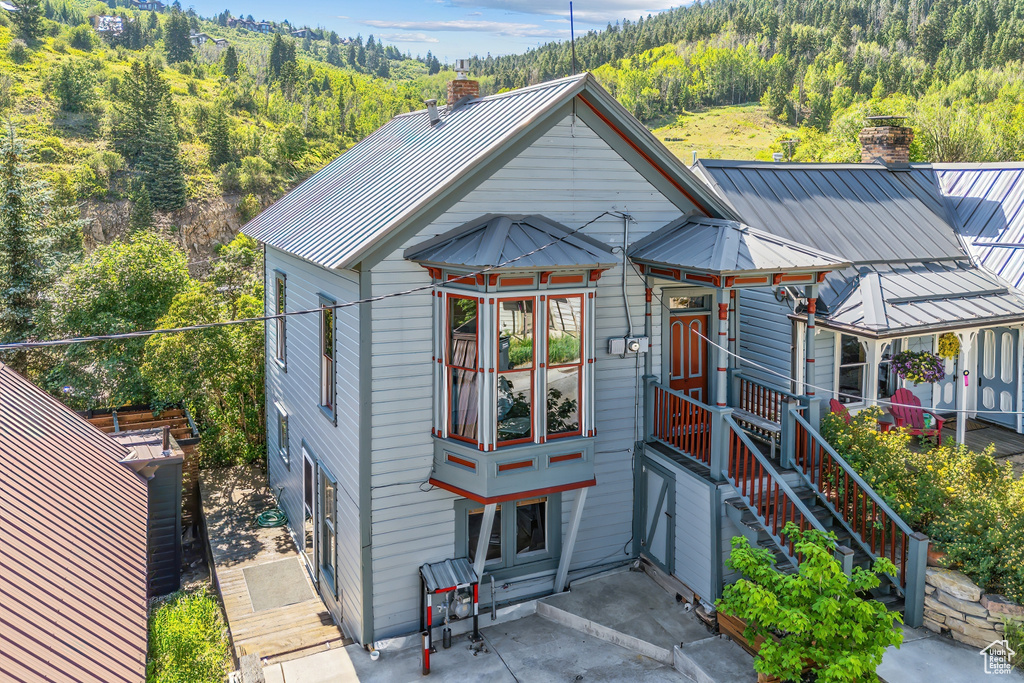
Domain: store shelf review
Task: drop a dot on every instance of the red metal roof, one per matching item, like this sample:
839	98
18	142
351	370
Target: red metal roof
72	545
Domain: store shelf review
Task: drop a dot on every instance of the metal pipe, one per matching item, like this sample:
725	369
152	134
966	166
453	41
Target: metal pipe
426	652
625	245
494	610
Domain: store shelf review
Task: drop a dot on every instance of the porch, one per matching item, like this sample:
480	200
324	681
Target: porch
1009	445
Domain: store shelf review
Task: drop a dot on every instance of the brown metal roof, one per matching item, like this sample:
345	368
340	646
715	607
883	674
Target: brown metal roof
72	545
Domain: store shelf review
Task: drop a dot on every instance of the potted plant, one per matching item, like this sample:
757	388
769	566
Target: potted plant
949	346
918	366
814	620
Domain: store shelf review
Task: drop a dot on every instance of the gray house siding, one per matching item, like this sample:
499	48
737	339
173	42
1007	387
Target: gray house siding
824	362
335	448
766	336
569	175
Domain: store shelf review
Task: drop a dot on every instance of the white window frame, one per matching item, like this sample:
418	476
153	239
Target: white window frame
328	368
283	435
839	365
281	329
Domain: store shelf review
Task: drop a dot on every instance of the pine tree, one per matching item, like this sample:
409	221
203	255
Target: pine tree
231	62
141	217
219	140
28	18
138	98
160	162
176	40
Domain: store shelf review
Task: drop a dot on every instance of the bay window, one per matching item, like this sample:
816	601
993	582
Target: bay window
514	367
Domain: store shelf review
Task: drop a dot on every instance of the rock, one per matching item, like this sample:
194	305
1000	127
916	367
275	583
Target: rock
934	616
971	631
932	625
962	605
953	583
984	622
929	589
979	643
997	604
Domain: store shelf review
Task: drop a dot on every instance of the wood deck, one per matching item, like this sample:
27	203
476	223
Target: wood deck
1009	445
231	499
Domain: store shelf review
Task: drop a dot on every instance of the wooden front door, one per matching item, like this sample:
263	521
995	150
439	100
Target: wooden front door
688	363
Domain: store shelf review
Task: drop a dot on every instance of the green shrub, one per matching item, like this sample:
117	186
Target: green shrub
81	37
187	643
17	50
73	85
814	617
1015	639
248	207
971	507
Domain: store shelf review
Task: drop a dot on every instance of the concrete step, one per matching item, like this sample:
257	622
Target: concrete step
715	660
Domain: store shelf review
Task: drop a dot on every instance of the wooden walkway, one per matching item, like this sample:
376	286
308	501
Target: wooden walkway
231	499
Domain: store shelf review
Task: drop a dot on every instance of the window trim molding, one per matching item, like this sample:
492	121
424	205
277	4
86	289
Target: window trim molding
281	324
284	450
511	564
330	412
324	475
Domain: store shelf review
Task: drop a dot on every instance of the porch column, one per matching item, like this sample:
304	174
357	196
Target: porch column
812	303
734	327
871	378
964	383
721	351
486	524
570	539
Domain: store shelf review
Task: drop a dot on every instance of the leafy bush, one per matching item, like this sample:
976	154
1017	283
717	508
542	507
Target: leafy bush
17	50
812	618
81	37
968	505
1015	639
73	85
254	175
187	643
248	207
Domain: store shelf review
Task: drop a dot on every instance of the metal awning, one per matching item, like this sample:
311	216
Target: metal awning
912	298
503	242
740	254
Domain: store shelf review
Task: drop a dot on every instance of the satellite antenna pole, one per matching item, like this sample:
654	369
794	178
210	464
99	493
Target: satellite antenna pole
572	40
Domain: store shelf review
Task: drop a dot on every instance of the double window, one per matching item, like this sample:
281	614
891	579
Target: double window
519	535
527	355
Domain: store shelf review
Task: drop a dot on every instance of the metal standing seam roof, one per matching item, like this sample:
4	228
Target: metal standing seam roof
448	574
889	299
862	212
989	200
513	242
72	545
376	187
725	246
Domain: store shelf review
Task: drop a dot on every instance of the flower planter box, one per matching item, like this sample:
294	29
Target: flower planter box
733	627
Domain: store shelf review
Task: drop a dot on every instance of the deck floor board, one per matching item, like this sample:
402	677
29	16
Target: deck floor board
231	499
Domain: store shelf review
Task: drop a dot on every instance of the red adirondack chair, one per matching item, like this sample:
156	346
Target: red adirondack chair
907	412
834	406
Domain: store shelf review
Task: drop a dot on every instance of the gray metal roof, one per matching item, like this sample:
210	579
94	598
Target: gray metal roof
989	200
448	574
387	180
512	242
722	246
891	299
862	212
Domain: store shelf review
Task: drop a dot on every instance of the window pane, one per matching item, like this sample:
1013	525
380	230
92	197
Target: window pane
462	332
327	332
515	335
282	435
513	407
494	544
464	403
698	302
851	384
564	326
531	526
852	351
563	404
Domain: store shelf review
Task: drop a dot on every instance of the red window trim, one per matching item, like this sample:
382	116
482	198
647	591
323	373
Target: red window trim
448	367
578	364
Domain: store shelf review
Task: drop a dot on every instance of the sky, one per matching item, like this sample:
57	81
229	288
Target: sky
451	29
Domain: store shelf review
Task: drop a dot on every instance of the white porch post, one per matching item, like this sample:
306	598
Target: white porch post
812	302
721	355
570	539
874	357
486	524
965	383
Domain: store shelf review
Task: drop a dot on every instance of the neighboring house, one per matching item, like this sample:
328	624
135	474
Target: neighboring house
491	397
8	7
244	24
221	42
935	249
198	39
263	27
148	5
102	23
72	545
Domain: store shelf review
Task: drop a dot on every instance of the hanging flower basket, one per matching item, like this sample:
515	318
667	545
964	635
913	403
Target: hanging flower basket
918	367
949	346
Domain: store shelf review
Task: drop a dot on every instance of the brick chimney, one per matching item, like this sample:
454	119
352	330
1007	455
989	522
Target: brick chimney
462	86
884	139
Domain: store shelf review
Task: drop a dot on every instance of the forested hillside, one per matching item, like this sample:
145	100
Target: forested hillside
953	66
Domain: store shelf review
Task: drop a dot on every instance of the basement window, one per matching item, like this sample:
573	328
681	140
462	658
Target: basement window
519	537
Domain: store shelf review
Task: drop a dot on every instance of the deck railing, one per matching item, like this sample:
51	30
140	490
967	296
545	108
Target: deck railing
757	398
681	422
878	530
763	490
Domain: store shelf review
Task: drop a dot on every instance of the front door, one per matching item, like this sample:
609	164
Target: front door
658	503
309	520
997	367
688	364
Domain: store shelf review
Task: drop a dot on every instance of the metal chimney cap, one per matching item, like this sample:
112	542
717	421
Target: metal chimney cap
432	112
461	69
778	156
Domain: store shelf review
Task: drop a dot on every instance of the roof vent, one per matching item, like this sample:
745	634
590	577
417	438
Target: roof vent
461	69
432	111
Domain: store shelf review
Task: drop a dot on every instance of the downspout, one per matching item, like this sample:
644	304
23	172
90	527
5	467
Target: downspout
626	218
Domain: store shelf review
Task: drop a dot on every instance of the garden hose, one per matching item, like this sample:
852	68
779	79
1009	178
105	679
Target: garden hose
268	519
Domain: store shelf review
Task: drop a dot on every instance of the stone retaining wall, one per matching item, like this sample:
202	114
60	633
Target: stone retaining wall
954	604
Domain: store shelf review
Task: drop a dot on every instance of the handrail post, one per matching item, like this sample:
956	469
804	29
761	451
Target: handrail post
845	557
787	447
719	443
917	562
812	411
734	387
649	407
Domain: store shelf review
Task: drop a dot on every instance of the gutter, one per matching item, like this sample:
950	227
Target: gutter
913	331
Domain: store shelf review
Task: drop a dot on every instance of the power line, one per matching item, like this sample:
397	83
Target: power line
263	318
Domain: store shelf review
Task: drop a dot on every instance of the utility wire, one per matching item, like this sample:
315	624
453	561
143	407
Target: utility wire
244	321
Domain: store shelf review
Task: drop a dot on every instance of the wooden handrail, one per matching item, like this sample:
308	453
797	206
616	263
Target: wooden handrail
763	489
681	422
757	398
880	531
